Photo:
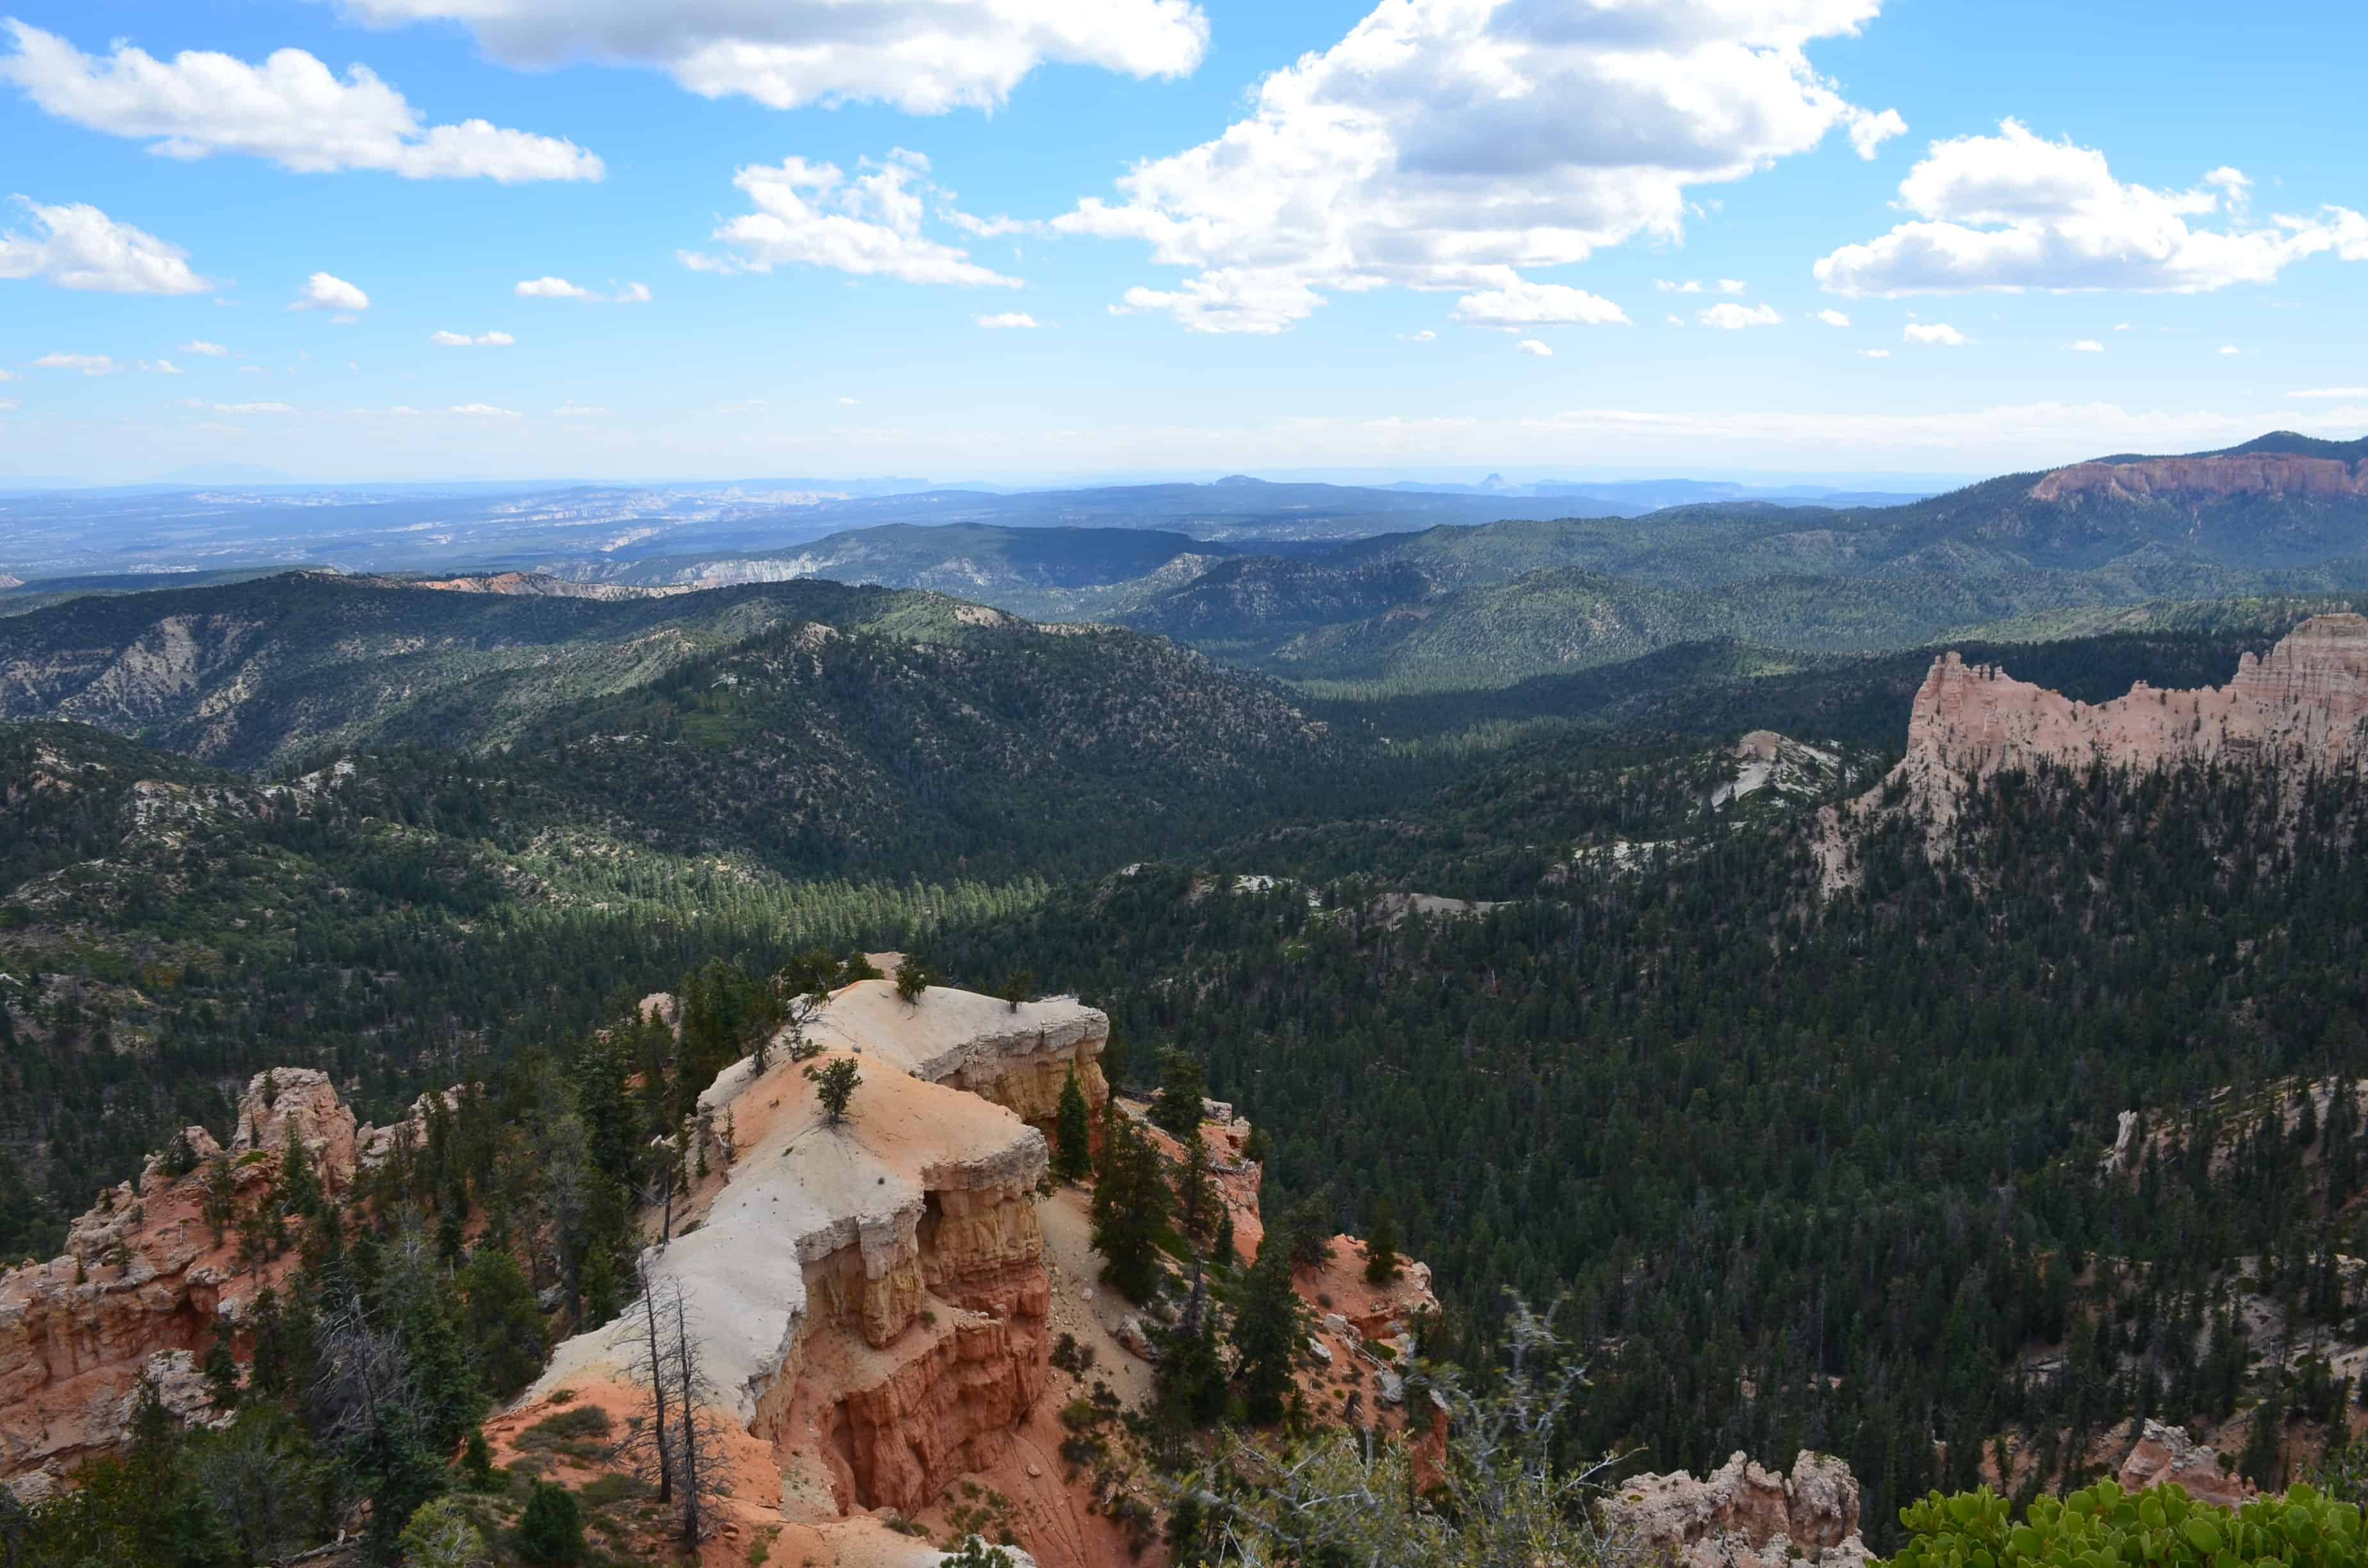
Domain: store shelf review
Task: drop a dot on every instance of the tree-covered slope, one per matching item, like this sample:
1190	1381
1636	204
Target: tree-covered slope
1819	1174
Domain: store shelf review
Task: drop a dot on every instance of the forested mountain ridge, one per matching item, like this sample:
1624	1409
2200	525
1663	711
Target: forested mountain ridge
287	668
1480	606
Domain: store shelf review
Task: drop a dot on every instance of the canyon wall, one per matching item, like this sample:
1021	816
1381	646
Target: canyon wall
2300	705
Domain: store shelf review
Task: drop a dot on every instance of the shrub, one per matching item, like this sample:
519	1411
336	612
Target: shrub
2101	1526
441	1536
551	1531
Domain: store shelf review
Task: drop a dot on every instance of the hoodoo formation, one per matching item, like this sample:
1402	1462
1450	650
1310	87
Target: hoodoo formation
2299	706
148	1283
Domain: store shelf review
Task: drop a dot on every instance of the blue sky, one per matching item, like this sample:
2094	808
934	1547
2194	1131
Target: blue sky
1430	237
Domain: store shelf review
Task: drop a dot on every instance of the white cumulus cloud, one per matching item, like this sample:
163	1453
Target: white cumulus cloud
2229	349
1532	346
2088	345
1938	332
1671	286
160	367
1007	319
1732	285
1876	353
1731	317
88	364
815	215
78	246
1457	144
325	292
484	411
923	56
462	340
560	288
1427	335
291	110
2016	211
200	345
1524	303
1833	318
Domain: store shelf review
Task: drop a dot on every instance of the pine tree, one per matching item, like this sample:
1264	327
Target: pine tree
1130	1208
1073	1156
1267	1334
1197	1200
1188	1383
504	1327
1182	1085
1382	1244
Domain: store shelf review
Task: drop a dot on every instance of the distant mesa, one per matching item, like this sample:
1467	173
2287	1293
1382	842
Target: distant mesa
2276	475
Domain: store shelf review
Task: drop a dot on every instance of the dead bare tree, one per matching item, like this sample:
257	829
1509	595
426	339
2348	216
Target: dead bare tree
679	1446
697	1428
652	1451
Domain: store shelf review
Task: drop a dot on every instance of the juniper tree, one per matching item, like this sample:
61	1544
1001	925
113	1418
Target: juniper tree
913	977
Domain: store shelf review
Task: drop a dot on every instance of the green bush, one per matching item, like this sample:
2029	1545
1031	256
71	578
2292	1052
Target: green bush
2103	1526
551	1532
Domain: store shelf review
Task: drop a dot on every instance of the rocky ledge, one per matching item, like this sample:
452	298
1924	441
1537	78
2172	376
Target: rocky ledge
1016	1057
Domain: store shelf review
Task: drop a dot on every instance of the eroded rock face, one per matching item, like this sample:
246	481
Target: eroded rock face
870	1298
2166	1453
2206	478
2300	705
144	1287
2302	702
300	1099
1743	1513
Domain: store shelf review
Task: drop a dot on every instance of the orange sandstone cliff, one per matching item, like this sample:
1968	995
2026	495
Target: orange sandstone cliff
145	1287
2300	705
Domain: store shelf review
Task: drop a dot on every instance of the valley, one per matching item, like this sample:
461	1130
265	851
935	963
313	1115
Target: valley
1888	985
